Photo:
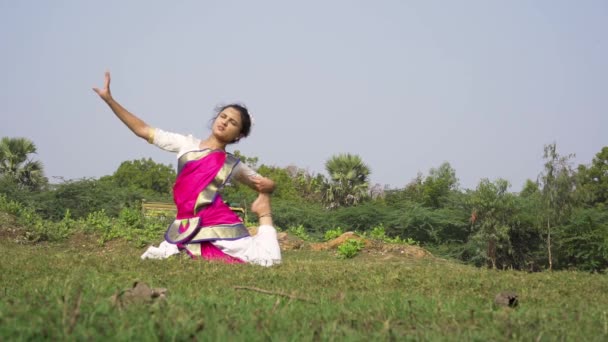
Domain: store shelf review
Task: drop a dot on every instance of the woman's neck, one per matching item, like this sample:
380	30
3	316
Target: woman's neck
212	143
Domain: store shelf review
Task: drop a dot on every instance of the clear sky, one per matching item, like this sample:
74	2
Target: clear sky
406	85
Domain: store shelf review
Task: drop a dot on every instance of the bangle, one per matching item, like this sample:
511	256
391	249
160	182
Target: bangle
264	215
151	135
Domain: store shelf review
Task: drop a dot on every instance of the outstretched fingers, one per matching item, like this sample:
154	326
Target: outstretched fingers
107	80
104	92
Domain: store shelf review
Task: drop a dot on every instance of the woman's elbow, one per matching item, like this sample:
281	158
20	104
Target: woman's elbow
145	132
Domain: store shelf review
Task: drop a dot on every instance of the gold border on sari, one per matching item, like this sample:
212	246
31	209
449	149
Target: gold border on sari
174	236
220	232
208	195
194	250
191	156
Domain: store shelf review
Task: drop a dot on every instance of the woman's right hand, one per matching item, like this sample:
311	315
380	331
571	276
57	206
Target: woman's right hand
104	92
135	124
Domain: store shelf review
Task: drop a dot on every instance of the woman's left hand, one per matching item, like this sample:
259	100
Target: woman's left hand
263	184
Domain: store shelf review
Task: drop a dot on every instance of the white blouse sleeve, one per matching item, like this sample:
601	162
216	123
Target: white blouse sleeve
244	174
173	142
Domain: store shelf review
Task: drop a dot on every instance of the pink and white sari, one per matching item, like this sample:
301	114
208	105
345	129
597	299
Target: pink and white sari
202	216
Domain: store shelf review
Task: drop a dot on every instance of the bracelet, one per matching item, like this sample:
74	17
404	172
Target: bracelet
151	134
264	215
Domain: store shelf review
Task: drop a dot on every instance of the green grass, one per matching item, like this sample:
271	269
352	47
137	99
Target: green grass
61	291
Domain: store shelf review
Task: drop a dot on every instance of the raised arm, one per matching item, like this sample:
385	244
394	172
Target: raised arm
135	124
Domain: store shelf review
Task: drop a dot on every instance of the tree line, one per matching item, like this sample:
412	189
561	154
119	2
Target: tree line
557	221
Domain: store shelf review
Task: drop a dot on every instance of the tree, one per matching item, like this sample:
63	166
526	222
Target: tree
438	185
291	184
557	189
592	181
526	235
412	192
84	196
493	208
309	186
529	189
241	194
349	180
284	183
145	174
16	165
252	162
584	239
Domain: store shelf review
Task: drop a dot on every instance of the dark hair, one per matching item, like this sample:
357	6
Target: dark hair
245	117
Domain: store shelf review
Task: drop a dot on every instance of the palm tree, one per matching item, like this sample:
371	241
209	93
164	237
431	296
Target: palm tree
15	164
349	180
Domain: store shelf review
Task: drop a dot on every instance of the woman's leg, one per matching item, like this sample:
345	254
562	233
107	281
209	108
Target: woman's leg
267	250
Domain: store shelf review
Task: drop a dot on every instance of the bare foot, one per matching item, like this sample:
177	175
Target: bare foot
261	207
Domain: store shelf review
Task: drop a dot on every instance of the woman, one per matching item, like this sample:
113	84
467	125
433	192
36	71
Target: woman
205	226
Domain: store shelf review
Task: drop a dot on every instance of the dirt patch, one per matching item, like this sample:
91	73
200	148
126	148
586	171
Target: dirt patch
91	243
375	247
333	244
378	248
84	240
372	247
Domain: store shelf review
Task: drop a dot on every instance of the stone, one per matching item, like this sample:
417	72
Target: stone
140	293
289	242
507	299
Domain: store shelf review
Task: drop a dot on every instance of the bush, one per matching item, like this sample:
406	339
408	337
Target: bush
361	217
350	248
313	217
332	234
379	233
300	232
583	241
431	226
34	226
130	224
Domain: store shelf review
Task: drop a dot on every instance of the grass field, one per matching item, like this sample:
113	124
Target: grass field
62	292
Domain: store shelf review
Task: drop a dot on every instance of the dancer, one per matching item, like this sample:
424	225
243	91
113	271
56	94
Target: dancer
205	227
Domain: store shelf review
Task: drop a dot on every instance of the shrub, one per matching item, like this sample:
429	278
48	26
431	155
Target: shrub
583	241
362	216
350	248
34	226
332	234
379	233
300	232
313	217
427	225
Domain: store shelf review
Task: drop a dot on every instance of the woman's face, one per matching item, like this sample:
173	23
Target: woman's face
227	125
